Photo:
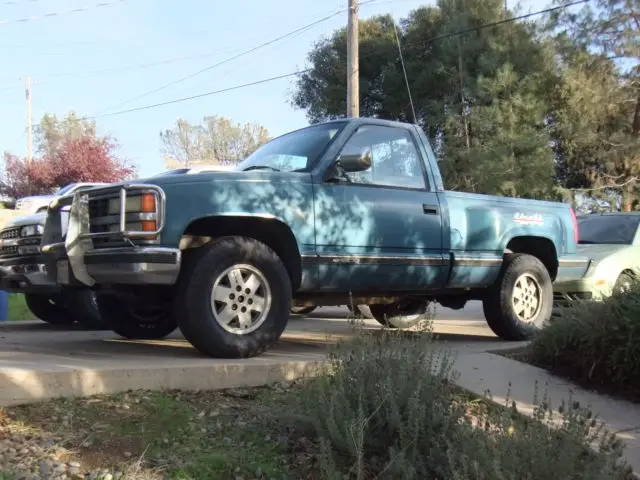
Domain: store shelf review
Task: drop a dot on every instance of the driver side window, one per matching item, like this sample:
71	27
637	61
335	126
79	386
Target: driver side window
395	161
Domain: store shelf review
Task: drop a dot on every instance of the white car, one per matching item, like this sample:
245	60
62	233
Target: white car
39	203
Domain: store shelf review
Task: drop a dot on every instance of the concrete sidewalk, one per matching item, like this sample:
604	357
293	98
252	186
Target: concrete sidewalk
38	361
483	371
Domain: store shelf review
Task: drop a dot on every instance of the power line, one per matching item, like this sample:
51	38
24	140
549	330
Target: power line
227	60
266	80
56	14
507	20
192	97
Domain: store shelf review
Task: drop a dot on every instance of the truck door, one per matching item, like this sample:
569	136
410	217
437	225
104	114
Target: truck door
380	229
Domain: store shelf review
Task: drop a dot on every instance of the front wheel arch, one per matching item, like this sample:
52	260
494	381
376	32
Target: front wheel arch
271	231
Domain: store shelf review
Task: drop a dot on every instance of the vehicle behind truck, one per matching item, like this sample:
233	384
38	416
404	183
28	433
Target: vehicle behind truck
22	270
350	211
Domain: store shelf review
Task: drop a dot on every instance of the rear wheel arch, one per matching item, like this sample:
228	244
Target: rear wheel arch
542	248
271	231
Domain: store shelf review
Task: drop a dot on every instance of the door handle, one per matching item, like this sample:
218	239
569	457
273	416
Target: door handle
430	209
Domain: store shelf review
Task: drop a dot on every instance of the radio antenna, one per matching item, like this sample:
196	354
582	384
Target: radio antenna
404	71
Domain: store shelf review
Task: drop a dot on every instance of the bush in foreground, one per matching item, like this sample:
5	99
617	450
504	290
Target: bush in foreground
594	343
387	407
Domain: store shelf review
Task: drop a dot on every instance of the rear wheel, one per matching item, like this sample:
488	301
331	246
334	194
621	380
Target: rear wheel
50	308
521	301
83	306
406	313
136	318
234	298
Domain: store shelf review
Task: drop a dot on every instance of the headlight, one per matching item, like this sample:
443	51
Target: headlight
135	204
31	230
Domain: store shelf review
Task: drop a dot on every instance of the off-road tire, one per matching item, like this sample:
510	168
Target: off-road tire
193	303
83	306
133	325
395	315
303	310
498	306
49	308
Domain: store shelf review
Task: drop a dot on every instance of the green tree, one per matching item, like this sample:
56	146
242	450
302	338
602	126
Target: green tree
51	132
596	111
452	79
215	140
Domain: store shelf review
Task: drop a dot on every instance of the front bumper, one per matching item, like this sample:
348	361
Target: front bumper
84	258
584	289
26	275
120	266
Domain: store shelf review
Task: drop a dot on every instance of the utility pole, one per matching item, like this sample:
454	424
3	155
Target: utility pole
29	152
353	63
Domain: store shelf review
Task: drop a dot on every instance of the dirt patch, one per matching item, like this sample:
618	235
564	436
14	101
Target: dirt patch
147	435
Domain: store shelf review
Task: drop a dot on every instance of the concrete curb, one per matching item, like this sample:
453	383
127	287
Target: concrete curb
26	386
29	325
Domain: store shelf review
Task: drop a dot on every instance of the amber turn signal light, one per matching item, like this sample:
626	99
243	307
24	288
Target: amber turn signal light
148	204
149	225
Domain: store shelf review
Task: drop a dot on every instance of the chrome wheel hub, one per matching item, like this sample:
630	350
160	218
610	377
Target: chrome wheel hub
241	299
526	298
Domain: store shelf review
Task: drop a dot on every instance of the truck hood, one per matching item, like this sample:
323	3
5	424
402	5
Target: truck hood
226	175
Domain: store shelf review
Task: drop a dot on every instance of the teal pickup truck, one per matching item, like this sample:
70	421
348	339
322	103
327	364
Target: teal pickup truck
350	210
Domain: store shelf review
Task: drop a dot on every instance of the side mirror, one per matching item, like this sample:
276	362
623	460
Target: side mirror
355	162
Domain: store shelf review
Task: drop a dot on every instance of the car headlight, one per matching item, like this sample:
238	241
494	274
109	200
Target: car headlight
145	202
31	230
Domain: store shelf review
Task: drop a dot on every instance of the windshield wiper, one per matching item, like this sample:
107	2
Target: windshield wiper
259	167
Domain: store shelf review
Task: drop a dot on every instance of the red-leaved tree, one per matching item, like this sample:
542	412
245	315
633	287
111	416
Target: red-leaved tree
20	181
85	159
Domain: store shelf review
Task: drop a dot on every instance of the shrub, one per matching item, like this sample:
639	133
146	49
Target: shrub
595	343
387	407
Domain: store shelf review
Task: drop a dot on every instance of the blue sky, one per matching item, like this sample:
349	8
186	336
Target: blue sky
62	53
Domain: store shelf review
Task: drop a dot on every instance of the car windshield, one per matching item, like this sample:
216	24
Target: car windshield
295	151
66	189
607	229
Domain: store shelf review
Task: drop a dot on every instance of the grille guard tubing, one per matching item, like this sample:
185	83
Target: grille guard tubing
78	239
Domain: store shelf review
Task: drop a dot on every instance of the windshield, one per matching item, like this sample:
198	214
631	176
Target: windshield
66	189
295	151
607	229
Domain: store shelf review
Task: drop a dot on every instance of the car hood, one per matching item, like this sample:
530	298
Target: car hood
598	252
35	219
37	198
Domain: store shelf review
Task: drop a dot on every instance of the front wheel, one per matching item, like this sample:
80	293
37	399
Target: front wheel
403	314
234	298
521	301
49	308
136	320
